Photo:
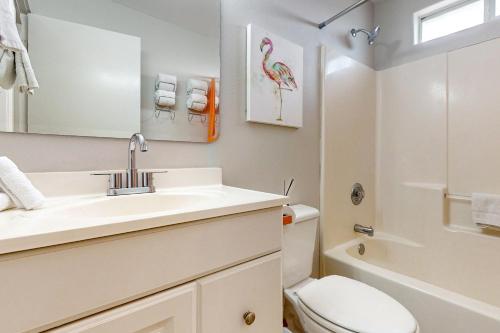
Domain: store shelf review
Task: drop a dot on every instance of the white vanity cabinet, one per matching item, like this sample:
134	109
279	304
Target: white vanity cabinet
200	276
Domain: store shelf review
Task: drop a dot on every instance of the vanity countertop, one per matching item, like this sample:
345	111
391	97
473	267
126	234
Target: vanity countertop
69	217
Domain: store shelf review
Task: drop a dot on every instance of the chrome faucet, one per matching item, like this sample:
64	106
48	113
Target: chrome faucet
135	182
132	174
364	230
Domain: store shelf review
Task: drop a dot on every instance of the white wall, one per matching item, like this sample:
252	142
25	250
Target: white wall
395	44
253	156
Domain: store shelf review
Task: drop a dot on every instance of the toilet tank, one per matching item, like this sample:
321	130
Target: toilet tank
299	240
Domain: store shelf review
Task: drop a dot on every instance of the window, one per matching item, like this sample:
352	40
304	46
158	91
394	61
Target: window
450	16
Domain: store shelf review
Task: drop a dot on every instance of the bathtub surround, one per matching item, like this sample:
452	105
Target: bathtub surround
348	147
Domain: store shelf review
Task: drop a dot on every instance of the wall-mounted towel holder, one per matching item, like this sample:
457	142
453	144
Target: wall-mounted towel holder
159	110
202	115
468	198
459	197
22	7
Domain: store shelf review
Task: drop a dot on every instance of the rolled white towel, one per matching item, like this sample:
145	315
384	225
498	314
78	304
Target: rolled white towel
165	102
198	87
18	187
165	98
6	202
216	102
166	86
166	82
217	88
163	93
197	102
195	91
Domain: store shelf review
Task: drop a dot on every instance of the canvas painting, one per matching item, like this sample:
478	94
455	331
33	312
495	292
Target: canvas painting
274	79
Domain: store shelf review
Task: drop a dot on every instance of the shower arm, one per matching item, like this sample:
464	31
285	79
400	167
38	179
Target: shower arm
342	13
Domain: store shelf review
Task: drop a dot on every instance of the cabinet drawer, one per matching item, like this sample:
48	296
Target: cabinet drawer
254	287
172	311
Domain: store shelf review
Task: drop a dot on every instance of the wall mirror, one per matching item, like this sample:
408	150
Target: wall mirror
110	68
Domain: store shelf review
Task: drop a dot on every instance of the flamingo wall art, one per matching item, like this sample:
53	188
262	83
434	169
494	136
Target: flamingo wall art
274	79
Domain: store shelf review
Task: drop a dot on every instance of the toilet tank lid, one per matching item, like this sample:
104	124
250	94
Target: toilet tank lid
301	213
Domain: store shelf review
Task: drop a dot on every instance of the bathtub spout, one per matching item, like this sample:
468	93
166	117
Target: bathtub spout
364	230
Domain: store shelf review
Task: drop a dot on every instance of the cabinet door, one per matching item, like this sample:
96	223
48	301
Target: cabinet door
253	288
172	311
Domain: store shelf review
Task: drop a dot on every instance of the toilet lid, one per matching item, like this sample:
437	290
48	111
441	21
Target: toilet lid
356	306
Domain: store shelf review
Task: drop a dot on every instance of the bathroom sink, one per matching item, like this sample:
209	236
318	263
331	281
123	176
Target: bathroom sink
111	207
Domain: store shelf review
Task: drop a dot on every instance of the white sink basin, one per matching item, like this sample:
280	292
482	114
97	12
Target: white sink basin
82	211
112	207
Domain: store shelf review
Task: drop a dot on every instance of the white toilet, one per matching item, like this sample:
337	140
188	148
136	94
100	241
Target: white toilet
334	303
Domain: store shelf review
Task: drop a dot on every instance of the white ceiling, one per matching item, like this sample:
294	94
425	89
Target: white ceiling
200	16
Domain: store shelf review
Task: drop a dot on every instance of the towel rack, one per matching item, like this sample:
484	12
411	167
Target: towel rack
459	197
22	7
158	110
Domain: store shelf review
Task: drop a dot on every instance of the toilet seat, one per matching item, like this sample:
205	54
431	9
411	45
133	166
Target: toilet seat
339	304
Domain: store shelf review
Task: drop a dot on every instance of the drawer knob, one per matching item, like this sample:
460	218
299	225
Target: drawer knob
249	318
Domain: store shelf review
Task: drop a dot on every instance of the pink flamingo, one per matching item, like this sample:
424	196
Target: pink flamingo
278	72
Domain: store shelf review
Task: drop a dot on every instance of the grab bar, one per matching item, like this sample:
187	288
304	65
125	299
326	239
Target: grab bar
460	197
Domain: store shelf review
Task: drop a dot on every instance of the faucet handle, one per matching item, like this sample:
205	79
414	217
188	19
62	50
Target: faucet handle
115	179
147	178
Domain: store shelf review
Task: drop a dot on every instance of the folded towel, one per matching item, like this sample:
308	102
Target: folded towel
166	82
486	210
18	187
197	102
5	202
198	87
7	69
10	40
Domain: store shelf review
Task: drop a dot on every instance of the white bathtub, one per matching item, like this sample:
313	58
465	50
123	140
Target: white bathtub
400	268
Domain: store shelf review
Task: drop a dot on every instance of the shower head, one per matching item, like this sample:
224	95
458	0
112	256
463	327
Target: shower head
372	35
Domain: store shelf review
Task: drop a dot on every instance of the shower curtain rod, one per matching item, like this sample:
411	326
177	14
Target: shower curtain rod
342	13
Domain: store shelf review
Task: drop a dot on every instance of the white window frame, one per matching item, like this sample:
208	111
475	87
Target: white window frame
444	7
